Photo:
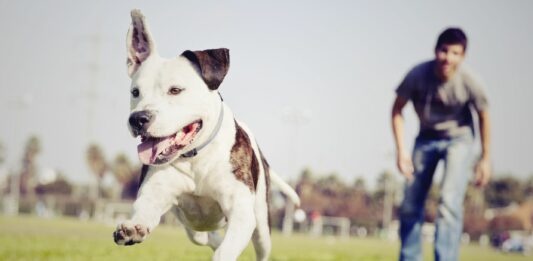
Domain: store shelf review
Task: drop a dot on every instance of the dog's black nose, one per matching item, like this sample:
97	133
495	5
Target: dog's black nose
139	120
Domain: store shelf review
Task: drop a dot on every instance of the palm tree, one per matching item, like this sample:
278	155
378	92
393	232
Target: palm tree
2	155
28	172
122	169
127	175
97	165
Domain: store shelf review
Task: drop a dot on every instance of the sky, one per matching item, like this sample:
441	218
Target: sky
314	80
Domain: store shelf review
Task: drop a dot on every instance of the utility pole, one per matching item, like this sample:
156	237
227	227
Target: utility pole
91	96
13	199
12	208
295	118
94	75
387	201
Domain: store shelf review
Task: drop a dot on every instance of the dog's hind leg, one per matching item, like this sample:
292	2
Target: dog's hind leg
203	238
261	235
241	224
214	239
197	237
262	243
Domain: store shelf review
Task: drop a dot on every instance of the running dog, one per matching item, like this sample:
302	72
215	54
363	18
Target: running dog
197	158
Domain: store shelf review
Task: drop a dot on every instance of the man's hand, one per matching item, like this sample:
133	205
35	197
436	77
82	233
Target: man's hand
405	166
403	160
483	172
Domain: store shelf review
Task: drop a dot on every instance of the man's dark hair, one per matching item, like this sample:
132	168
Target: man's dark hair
452	36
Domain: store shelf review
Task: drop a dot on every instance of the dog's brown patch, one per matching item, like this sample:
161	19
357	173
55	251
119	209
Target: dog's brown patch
213	65
243	159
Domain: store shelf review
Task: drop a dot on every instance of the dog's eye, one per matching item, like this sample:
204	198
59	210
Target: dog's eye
135	92
174	90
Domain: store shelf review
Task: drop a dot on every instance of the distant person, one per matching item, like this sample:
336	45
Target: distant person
444	94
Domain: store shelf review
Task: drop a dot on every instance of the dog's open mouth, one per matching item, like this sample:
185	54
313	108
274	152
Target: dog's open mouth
159	150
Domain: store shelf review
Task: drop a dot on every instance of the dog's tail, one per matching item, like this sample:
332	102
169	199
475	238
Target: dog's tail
284	187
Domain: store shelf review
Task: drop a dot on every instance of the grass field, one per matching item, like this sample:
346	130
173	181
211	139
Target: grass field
30	238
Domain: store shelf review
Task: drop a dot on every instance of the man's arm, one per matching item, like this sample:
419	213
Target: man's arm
403	160
483	168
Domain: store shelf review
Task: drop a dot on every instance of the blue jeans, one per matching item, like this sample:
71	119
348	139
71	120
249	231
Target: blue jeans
458	167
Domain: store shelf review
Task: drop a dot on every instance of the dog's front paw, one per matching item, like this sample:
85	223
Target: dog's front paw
128	234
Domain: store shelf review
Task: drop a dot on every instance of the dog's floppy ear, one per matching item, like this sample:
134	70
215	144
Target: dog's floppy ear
213	65
139	41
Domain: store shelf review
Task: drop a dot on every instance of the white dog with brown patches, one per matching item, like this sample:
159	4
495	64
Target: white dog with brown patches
197	159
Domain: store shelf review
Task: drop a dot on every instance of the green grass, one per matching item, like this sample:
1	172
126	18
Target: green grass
30	238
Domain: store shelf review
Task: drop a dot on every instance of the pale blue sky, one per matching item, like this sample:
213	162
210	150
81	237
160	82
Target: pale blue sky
337	62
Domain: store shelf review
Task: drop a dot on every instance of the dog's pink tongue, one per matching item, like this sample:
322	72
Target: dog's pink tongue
152	147
149	149
146	152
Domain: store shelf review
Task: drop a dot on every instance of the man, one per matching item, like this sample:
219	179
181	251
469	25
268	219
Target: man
444	94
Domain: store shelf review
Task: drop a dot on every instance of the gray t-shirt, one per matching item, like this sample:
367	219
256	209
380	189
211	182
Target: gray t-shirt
443	107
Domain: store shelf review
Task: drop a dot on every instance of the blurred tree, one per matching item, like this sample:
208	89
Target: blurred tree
502	223
330	196
4	177
130	188
474	200
330	185
127	175
475	225
2	153
304	186
122	169
359	207
385	181
528	187
60	186
307	175
384	196
359	184
97	164
29	170
503	191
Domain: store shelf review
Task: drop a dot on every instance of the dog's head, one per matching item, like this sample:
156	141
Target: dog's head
172	100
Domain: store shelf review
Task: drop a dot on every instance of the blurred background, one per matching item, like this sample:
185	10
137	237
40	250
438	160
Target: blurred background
314	80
